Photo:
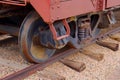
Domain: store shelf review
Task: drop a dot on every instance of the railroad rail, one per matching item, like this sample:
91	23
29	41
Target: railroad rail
47	27
20	75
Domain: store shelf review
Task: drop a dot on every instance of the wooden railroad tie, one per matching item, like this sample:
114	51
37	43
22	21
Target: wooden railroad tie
77	66
92	55
115	37
112	46
50	75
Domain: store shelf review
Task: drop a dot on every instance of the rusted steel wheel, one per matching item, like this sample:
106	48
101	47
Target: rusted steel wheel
29	41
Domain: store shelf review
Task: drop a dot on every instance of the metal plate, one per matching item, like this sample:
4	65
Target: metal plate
14	2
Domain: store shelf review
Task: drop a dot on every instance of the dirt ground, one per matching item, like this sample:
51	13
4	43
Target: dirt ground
107	69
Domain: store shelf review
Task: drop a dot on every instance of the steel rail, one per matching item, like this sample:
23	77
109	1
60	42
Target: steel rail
22	74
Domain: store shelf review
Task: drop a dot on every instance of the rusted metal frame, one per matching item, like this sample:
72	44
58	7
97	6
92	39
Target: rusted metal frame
52	28
15	2
20	75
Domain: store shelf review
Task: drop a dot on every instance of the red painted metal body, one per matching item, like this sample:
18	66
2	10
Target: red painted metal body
55	33
52	10
111	3
60	9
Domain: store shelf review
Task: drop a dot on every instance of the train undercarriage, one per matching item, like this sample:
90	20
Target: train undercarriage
36	40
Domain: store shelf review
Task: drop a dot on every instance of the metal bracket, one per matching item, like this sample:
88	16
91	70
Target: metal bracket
15	2
52	28
111	17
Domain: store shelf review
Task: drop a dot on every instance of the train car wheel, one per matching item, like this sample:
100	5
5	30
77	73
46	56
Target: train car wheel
29	43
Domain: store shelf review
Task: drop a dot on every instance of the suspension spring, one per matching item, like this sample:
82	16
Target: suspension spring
81	33
83	29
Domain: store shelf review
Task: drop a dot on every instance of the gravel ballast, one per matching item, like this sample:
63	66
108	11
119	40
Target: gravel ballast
95	70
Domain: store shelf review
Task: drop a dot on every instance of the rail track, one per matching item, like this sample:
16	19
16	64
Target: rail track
20	75
41	33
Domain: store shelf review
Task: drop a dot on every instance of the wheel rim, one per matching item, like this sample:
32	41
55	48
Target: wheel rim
29	42
36	49
38	52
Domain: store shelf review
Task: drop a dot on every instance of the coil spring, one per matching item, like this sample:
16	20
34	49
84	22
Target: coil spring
83	28
81	33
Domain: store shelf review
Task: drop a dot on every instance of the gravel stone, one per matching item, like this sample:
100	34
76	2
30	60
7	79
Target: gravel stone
95	70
